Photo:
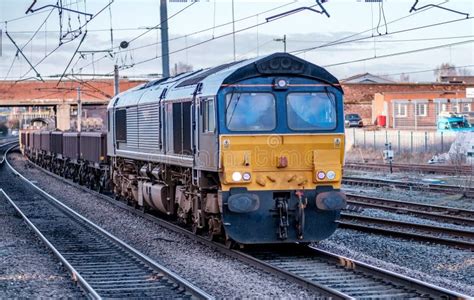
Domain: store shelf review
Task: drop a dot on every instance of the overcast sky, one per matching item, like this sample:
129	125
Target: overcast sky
305	29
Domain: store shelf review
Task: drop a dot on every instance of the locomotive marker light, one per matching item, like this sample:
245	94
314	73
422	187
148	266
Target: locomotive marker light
331	175
321	175
236	176
246	176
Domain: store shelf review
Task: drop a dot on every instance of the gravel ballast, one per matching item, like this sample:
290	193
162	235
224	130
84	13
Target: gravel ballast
215	273
28	269
225	277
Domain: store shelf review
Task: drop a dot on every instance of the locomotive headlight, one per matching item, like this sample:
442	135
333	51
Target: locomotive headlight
236	176
246	176
280	83
331	175
321	175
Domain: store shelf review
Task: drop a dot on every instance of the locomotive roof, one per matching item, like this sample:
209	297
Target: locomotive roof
183	85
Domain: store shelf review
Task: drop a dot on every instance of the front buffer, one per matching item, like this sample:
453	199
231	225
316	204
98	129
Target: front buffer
268	217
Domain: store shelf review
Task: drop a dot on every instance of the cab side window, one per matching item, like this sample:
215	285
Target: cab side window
208	116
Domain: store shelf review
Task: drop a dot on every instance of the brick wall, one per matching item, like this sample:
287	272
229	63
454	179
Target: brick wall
364	93
66	90
358	97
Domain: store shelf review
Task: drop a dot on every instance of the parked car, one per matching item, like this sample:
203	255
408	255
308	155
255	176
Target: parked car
469	116
353	120
453	122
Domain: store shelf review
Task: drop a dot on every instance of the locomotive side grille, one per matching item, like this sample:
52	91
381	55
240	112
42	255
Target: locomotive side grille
132	127
121	125
149	127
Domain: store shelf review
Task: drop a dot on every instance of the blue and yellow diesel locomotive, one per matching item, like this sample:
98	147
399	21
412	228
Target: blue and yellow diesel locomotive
250	151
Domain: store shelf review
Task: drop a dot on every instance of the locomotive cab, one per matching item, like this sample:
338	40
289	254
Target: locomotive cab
281	145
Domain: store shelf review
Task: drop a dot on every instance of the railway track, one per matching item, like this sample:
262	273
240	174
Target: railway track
458	238
428	211
327	274
103	265
342	277
408	185
4	144
418	168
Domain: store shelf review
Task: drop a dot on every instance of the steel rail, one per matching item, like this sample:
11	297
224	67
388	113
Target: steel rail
2	159
440	188
190	288
336	260
430	169
75	274
434	212
420	232
415	283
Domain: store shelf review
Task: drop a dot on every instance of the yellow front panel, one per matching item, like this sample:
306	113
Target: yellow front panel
281	162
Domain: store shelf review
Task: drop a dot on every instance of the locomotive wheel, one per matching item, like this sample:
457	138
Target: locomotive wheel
195	229
229	243
210	236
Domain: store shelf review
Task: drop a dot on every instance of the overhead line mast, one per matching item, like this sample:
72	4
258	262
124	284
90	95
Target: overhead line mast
165	58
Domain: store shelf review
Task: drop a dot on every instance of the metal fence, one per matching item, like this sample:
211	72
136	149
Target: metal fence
401	140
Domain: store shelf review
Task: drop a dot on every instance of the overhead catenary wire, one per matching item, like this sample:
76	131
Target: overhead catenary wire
157	26
32	14
341	42
329	44
203	42
398	53
29	40
390	41
195	32
429	70
325	45
73	55
82	26
301	51
351	41
24	56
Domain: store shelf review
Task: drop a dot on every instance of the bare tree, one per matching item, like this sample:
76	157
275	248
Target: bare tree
404	77
464	72
181	67
445	69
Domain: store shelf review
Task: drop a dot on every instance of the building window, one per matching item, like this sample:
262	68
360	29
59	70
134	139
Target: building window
421	110
208	116
456	108
444	107
466	107
400	109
